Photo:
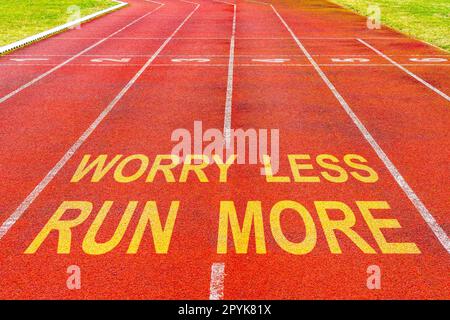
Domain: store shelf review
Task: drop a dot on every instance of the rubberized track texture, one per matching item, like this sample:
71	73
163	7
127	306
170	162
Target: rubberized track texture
362	190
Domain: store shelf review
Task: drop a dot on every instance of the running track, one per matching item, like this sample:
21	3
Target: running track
112	87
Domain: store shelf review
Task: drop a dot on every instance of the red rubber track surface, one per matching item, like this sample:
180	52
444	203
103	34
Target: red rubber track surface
40	123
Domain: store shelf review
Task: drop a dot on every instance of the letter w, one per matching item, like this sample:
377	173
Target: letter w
98	165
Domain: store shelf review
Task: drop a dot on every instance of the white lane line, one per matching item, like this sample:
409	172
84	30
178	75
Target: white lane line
229	95
42	76
226	2
28	59
258	2
426	215
217	280
199	60
274	60
154	2
429	86
121	60
218	269
54	171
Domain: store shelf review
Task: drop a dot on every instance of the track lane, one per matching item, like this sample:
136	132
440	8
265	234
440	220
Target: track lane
311	121
142	122
169	96
407	118
49	124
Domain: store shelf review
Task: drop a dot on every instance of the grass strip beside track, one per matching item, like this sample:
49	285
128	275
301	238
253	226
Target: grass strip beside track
22	18
427	20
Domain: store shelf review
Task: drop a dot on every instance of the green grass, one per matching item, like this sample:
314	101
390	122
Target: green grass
22	18
427	20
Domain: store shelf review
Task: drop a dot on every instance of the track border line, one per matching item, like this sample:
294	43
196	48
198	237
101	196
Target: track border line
418	204
429	86
229	93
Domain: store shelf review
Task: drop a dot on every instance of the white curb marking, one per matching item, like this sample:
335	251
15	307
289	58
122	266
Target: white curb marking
60	28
